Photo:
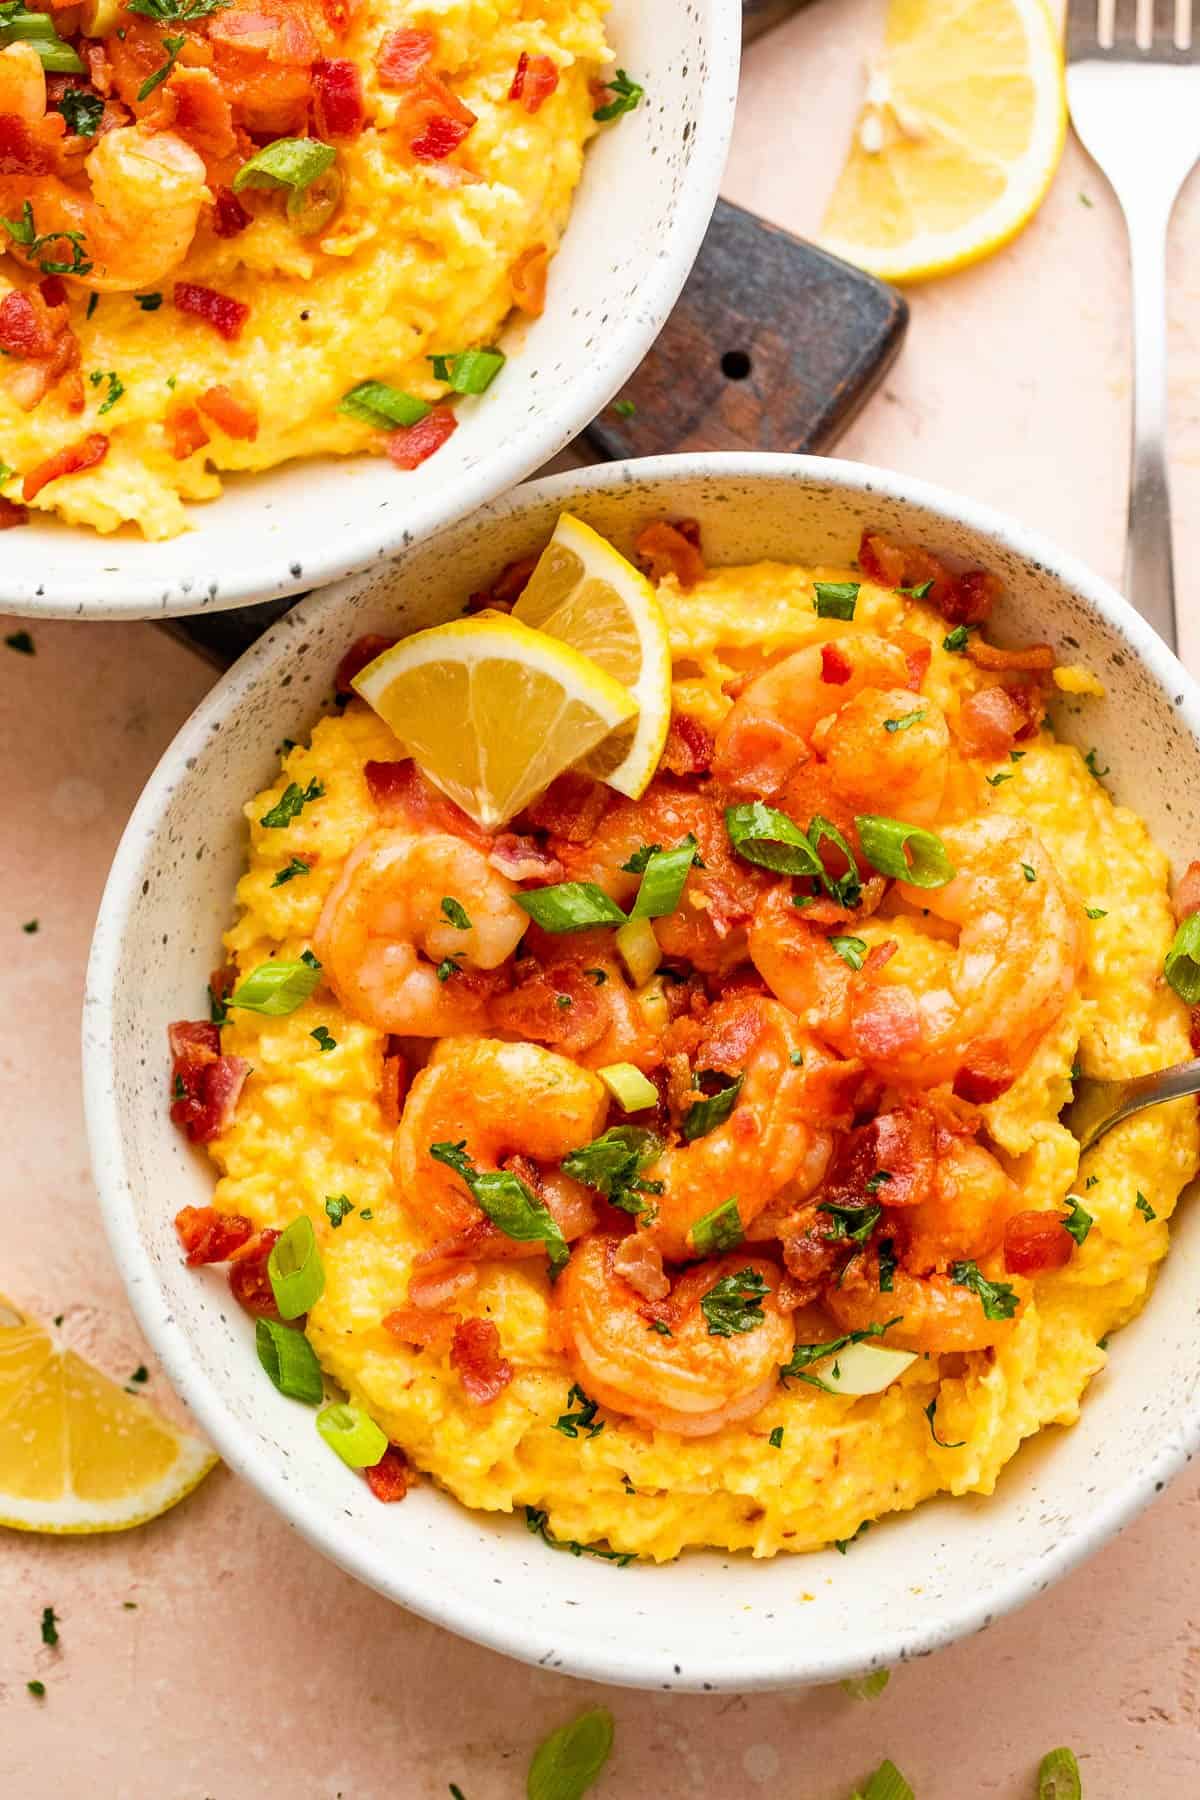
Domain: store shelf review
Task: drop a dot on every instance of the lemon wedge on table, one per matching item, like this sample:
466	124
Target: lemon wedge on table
77	1453
958	138
586	593
492	711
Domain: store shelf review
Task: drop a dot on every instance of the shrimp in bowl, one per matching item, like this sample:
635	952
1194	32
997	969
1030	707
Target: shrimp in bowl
685	1164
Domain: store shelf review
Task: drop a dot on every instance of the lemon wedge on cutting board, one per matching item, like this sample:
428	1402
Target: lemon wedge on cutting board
958	138
492	711
77	1453
586	593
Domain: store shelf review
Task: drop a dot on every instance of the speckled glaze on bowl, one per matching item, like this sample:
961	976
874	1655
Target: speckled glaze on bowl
709	1621
642	208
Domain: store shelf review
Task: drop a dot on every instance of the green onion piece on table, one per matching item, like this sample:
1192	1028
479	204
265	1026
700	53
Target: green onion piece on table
566	1763
1058	1776
295	1269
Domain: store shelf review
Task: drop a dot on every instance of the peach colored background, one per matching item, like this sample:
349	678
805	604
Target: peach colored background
251	1667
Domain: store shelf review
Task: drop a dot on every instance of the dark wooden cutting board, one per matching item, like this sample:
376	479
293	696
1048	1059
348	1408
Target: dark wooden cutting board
773	345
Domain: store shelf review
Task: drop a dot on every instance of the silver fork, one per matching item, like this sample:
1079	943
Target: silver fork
1133	87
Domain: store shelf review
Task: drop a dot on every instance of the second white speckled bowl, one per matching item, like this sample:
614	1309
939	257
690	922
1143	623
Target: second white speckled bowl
707	1621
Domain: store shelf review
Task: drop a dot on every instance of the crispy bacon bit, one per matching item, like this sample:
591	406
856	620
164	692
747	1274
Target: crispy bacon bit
249	1281
527	279
571	808
53	290
427	1329
402	55
689	747
900	1144
828	912
411	445
918	654
535	80
436	118
1033	658
1187	893
965	599
671	547
21	152
475	1353
986	1073
393	1086
640	1264
226	315
37	333
194	105
404	796
229	215
836	667
433	1287
523	858
990	722
389	1479
185	429
338	14
71	460
205	1086
23	330
1035	1242
533	1007
975	594
11	514
507	588
209	1236
362	651
338	108
235	418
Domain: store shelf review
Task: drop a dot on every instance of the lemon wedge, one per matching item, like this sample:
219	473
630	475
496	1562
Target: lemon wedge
584	592
77	1453
958	138
492	711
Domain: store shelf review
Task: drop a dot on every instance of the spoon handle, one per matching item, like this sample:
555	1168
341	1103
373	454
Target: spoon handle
1099	1105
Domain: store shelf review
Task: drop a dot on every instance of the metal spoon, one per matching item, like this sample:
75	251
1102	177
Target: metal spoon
1099	1105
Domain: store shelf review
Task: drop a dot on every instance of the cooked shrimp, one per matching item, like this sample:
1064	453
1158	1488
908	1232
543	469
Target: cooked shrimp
964	1217
802	969
769	729
384	932
133	225
691	1381
936	1313
509	1102
887	751
571	993
767	1138
22	84
1018	958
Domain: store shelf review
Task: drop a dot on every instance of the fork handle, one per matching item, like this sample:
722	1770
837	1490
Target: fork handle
1149	564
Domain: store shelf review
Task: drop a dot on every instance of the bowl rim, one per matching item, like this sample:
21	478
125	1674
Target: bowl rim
636	1665
629	339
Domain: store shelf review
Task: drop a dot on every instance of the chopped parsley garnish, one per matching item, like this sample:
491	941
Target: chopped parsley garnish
572	1423
1092	1181
170	12
905	720
290	804
998	1298
140	1374
562	1001
1144	1207
149	302
841	1545
507	1202
956	640
850	1224
536	1522
599	976
661	1326
447	967
942	1443
323	1038
624	409
916	593
998	779
23	231
776	1438
1029	872
49	1626
804	1355
336	1208
718	1230
366	1213
454	914
93	303
626	95
879	1179
1077	1222
852	950
733	1305
29	927
835	599
172	46
796	1058
1017	755
218	1011
82	111
637	862
613	1164
887	1265
116	387
1096	912
289	872
708	1111
1091	761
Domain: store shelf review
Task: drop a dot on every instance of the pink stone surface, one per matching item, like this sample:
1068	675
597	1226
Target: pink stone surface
251	1667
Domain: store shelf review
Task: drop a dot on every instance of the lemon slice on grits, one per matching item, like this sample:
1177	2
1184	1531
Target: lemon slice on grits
77	1453
492	711
584	592
958	138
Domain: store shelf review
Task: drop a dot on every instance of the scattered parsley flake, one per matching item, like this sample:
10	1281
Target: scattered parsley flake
841	1545
942	1444
1093	768
599	976
1096	912
997	780
1029	872
536	1522
50	1623
21	642
290	804
172	46
454	914
916	593
82	111
29	927
324	1039
289	872
1077	1222
336	1208
116	387
956	640
887	1265
37	1689
613	1164
572	1423
907	719
447	967
776	1438
1092	1181
998	1298
733	1305
1144	1207
149	302
624	409
796	1058
140	1374
661	1326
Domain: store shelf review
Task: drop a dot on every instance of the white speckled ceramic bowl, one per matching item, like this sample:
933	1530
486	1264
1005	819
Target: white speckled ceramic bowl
708	1621
641	211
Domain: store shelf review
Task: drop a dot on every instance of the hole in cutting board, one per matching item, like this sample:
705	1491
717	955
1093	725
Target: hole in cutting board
735	365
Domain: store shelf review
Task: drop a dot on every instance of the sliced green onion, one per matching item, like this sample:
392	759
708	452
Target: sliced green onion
720	1229
296	1271
711	1110
867	1687
1058	1776
638	948
847	889
1182	963
507	1202
288	162
566	1764
277	988
631	1090
37	29
1077	1222
835	599
762	835
375	403
353	1434
468	371
887	1783
290	1361
905	852
662	882
309	209
570	906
